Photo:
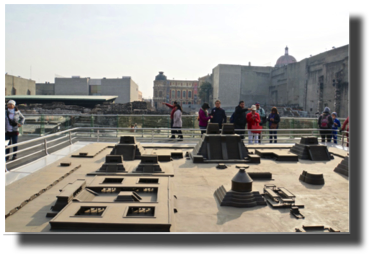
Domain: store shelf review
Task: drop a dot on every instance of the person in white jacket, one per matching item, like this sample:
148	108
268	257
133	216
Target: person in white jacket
177	122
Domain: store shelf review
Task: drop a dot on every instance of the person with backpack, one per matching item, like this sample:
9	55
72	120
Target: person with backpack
218	114
336	125
262	116
325	123
239	118
203	117
253	119
13	120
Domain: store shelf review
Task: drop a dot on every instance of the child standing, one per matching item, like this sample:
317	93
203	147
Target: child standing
336	125
253	121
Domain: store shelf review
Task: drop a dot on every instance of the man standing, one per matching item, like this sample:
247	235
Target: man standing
218	114
325	123
240	118
262	115
171	115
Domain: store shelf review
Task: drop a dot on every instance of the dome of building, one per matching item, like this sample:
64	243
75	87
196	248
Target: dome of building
160	77
285	59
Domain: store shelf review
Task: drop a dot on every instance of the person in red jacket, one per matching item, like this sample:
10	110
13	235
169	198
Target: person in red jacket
171	116
253	119
346	125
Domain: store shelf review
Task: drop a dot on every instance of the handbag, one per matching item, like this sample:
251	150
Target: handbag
273	126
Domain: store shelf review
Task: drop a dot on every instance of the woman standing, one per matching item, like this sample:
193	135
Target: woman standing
273	124
253	119
203	117
177	121
336	125
13	120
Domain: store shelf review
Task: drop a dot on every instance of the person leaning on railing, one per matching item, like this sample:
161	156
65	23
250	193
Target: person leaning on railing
13	120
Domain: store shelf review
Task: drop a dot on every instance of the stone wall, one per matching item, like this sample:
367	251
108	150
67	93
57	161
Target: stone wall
21	85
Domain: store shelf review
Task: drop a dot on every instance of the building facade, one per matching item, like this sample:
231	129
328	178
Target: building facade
19	86
182	91
125	88
308	85
45	88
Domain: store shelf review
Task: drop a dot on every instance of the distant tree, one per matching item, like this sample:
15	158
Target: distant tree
206	90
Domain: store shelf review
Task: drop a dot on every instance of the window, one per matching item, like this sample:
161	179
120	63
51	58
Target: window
189	94
184	94
178	94
172	93
113	180
14	92
155	93
148	180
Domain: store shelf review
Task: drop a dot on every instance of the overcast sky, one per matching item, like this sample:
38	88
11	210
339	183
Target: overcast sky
183	41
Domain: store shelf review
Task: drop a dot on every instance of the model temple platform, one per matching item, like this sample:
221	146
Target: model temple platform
225	147
308	148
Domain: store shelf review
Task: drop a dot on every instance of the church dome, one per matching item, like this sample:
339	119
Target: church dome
285	59
160	77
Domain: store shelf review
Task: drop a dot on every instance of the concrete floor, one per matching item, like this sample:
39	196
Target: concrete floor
194	186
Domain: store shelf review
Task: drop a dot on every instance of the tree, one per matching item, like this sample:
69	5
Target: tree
206	90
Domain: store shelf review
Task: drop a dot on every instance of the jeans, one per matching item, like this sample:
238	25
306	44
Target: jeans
178	132
172	131
203	129
274	133
327	134
335	137
241	133
12	140
253	137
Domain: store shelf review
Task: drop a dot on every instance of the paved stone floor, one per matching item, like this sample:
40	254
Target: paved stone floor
194	186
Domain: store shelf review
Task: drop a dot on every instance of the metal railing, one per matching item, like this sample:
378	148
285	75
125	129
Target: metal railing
96	134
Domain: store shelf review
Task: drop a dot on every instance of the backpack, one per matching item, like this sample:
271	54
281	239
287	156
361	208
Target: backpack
231	120
324	121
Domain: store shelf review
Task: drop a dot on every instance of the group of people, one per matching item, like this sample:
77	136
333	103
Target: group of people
255	118
329	125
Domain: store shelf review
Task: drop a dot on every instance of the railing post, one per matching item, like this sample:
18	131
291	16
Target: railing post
343	139
98	134
152	135
45	143
42	125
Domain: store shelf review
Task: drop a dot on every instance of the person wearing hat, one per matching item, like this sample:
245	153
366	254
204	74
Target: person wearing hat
203	117
325	123
262	115
13	120
173	109
253	120
336	125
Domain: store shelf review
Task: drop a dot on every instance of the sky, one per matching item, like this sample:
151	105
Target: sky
184	41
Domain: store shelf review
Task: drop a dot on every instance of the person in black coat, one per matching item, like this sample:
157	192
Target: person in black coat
240	118
218	114
273	123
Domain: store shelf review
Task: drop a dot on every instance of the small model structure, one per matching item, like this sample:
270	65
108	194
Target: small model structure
225	147
129	148
308	148
312	178
343	167
241	194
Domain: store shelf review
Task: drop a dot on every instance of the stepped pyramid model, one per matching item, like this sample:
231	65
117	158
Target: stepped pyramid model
308	148
113	163
241	194
129	148
343	167
224	147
